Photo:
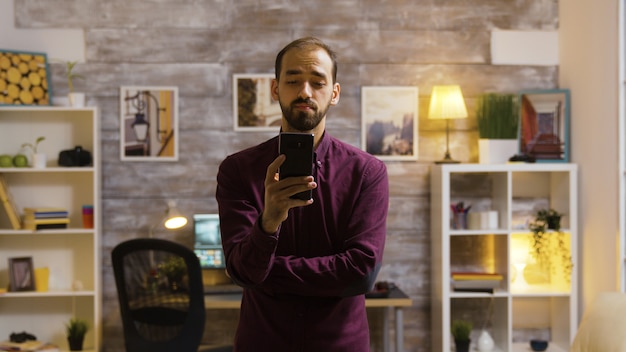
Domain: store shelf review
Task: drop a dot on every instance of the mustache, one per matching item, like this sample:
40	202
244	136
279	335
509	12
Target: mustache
304	101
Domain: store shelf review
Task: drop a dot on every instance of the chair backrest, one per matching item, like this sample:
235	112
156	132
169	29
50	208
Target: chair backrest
159	287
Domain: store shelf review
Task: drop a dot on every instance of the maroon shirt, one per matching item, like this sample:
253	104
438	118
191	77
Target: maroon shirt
304	285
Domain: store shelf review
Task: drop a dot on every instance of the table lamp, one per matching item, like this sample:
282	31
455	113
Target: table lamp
446	102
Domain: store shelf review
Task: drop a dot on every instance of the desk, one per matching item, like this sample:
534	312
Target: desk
393	303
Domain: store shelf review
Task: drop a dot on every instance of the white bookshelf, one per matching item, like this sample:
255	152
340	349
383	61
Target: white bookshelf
546	305
73	254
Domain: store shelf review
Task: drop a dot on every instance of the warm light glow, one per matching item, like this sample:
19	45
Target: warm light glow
520	280
175	222
174	219
446	102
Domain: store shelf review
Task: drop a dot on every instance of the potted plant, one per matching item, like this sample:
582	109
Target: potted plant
461	331
546	228
38	159
174	268
75	99
75	331
497	116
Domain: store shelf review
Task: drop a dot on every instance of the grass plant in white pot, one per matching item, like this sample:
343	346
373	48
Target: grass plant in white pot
498	121
76	99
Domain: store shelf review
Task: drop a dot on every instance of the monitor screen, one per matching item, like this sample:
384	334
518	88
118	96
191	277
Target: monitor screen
208	242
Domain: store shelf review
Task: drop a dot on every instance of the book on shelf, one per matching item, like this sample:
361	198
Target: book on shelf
475	284
9	205
476	276
41	224
46	212
475	281
480	290
30	346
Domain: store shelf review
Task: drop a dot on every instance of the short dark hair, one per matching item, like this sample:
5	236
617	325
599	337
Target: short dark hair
306	43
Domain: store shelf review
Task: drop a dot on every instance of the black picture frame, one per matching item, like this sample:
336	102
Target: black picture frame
21	274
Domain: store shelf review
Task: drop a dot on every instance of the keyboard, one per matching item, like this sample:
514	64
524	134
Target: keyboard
222	289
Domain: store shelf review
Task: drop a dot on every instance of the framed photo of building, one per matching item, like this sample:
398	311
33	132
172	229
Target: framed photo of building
544	125
21	274
149	123
24	78
389	122
253	106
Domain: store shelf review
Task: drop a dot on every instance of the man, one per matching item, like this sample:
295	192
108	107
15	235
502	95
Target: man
305	265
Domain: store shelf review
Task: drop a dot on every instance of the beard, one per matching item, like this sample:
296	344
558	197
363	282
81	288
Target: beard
304	120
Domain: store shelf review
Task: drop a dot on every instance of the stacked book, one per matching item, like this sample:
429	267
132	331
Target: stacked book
475	281
45	218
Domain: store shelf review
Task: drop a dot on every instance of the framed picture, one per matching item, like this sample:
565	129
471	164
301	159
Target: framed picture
21	274
149	123
253	106
544	125
389	122
24	78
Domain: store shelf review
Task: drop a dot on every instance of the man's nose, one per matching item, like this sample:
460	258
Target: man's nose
305	92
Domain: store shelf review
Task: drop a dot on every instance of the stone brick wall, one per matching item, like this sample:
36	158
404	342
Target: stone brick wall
197	45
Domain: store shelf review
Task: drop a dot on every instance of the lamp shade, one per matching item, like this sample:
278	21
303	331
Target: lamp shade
446	102
174	219
140	126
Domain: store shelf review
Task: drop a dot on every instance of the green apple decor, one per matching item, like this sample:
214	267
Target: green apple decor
20	160
6	160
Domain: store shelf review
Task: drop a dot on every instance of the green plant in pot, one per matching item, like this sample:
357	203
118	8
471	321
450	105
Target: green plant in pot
461	331
75	330
75	98
174	268
37	159
497	116
546	229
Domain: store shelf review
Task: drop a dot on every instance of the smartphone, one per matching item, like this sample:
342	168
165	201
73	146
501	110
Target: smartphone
298	148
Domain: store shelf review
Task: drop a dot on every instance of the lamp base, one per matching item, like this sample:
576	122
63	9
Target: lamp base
447	159
450	161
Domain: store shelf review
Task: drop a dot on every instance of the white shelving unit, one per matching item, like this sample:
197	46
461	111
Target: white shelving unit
622	145
537	304
73	254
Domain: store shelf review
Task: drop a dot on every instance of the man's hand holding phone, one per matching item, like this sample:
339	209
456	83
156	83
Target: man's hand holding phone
298	150
288	181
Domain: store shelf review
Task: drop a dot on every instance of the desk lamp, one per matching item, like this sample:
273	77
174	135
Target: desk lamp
172	220
446	102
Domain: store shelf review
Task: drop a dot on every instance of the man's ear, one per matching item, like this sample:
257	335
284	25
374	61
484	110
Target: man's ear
336	94
274	89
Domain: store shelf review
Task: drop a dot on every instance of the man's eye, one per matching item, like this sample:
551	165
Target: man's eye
320	84
292	81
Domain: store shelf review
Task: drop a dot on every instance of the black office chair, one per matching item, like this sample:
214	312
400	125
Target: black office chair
161	297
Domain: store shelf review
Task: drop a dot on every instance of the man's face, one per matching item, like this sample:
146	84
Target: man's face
305	90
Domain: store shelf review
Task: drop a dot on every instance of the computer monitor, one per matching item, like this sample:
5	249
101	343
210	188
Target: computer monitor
208	241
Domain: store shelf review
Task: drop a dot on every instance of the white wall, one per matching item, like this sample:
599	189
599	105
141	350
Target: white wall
588	40
59	44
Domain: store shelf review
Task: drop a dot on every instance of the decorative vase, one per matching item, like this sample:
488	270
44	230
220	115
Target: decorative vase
39	160
76	343
496	151
485	342
462	345
76	100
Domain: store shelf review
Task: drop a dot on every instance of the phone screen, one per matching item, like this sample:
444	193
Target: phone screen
298	148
